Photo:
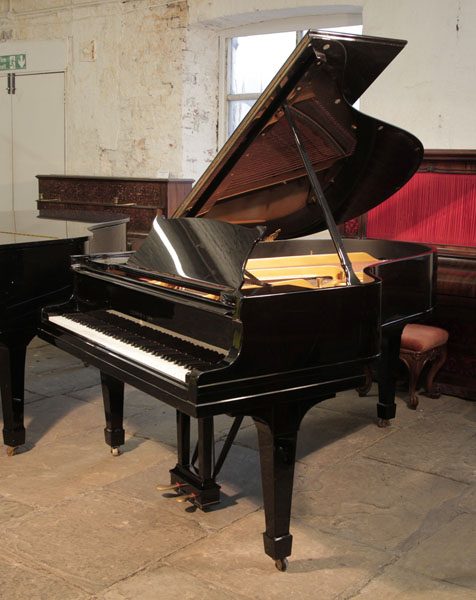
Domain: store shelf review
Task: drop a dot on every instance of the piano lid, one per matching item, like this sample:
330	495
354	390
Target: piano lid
202	254
258	177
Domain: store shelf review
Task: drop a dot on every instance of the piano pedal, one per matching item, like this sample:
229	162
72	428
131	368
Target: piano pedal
172	486
185	497
12	450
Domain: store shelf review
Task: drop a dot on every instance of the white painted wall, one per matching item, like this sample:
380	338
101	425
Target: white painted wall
32	119
142	78
430	87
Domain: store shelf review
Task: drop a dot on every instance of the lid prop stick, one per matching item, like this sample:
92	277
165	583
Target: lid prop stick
350	276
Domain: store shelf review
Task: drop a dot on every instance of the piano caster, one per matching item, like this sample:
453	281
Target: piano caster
12	450
281	564
384	423
115	451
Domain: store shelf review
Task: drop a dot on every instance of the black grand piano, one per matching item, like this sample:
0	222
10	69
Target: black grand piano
35	259
34	272
224	309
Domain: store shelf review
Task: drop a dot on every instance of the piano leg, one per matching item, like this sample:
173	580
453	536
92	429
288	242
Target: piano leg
277	437
387	374
183	440
12	383
199	487
113	398
206	449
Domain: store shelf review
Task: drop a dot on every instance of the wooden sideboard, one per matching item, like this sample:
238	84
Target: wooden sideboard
140	199
438	206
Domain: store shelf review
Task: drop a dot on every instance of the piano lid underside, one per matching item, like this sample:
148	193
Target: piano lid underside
269	182
258	177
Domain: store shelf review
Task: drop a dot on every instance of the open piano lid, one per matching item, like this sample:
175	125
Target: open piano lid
258	177
258	180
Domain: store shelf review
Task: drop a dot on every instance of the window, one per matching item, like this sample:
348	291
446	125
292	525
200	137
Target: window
252	62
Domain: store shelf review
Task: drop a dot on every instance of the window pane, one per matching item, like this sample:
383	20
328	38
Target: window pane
237	109
357	29
256	59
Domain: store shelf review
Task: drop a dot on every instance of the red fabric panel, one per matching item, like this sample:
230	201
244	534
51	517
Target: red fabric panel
433	208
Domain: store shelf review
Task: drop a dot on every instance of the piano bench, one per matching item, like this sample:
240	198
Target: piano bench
421	344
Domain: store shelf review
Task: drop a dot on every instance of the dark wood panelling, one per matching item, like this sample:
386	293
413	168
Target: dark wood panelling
139	198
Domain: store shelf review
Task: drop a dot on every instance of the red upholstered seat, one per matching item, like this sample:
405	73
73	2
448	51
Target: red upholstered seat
421	338
421	344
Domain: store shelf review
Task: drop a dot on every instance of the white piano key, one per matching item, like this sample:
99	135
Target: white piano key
122	348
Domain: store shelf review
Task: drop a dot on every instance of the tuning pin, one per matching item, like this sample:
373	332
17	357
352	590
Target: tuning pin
172	486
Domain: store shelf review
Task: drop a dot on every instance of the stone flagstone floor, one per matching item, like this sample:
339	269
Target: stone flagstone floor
377	513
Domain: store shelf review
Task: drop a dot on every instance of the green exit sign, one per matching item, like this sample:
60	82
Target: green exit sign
12	62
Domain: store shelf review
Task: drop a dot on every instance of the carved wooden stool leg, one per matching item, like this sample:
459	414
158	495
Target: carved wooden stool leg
363	390
421	344
439	359
414	363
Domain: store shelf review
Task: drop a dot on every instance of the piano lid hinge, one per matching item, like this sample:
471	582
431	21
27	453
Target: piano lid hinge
320	56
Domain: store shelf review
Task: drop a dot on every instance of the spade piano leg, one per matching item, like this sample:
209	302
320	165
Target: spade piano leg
387	374
113	398
12	382
183	440
277	437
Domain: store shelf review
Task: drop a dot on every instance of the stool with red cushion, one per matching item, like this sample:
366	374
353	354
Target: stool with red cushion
421	344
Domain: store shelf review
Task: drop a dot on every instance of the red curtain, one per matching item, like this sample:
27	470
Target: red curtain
433	208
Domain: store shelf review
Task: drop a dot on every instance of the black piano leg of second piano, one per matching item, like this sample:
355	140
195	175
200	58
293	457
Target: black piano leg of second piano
12	382
113	397
387	374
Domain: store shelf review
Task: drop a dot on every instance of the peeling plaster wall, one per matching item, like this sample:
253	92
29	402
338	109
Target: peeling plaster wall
142	75
430	87
223	14
200	101
139	83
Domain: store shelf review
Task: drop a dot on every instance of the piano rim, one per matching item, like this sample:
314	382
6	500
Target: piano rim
142	378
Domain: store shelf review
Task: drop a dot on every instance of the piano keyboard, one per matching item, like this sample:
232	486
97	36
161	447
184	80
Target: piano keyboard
146	344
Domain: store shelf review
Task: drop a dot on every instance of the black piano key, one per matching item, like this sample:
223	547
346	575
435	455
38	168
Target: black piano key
158	343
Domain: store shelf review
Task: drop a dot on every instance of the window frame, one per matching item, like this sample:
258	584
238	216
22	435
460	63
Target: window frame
298	24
